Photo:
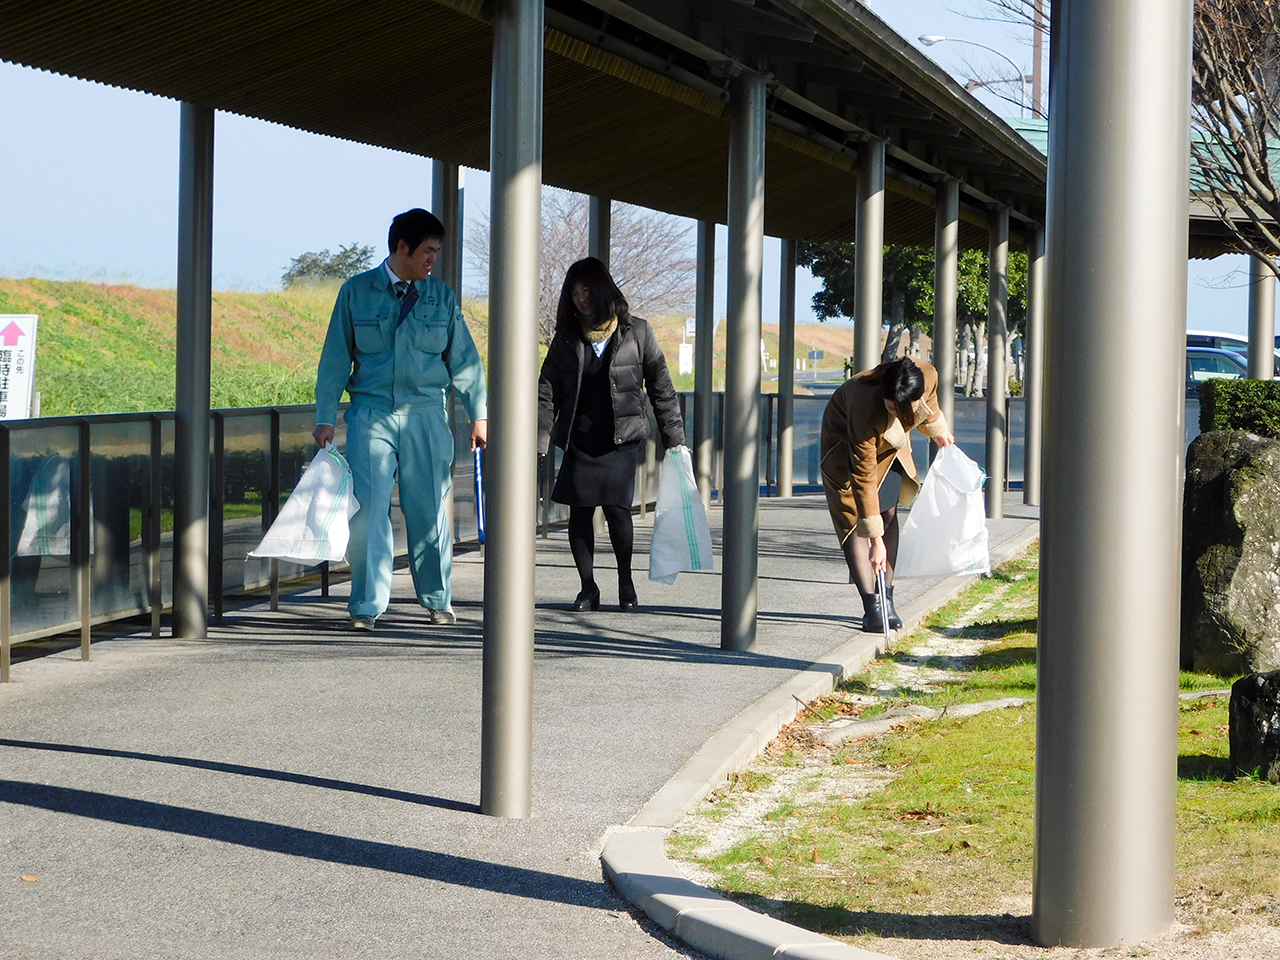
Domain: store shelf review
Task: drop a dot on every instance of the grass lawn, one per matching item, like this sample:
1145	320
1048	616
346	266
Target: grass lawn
876	838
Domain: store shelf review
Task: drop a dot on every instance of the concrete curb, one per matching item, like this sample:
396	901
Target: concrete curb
634	856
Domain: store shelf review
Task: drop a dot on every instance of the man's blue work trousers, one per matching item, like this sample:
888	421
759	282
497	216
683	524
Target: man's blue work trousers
419	446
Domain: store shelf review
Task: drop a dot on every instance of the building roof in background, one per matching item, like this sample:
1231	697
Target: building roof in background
1209	237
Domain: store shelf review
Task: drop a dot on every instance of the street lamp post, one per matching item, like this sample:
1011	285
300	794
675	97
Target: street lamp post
929	39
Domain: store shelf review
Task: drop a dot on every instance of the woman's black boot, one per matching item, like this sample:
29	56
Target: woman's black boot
895	621
588	599
627	597
872	615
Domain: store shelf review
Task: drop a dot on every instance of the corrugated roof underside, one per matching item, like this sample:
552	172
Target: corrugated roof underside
417	79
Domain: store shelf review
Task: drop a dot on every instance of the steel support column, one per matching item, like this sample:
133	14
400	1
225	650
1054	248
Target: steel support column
704	354
868	251
997	378
1111	521
191	401
786	365
599	228
506	751
446	204
1262	320
741	489
946	266
1033	358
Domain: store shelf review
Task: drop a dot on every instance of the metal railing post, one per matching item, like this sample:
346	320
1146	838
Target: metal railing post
271	507
719	449
82	531
642	481
155	508
544	484
217	513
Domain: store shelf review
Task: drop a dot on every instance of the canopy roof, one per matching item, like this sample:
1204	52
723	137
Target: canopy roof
635	94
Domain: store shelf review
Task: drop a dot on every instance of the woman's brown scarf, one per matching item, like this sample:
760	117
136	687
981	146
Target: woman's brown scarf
599	333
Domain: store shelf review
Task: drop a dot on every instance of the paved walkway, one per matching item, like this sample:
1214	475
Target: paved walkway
288	789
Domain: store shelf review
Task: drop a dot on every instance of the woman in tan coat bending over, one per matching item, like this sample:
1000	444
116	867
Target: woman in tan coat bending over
867	469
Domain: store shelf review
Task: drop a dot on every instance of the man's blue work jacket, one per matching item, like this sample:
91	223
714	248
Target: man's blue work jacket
396	367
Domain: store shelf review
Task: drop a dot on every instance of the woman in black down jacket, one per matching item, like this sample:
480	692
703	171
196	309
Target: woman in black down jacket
591	403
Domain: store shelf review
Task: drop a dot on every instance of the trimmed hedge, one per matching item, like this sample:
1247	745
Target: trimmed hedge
1252	405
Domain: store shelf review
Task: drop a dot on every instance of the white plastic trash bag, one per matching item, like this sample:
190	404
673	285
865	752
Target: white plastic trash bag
681	536
314	524
946	532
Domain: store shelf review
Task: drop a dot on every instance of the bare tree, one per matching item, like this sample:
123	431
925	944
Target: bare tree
1236	114
1032	13
651	255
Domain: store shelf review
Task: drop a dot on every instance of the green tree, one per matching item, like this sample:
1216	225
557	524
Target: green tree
908	298
907	293
315	267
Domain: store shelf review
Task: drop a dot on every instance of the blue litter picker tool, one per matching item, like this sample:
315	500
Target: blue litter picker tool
882	589
479	494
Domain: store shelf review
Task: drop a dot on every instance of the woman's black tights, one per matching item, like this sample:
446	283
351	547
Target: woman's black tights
582	541
857	553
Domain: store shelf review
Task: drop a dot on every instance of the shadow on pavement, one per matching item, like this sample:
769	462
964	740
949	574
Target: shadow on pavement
296	842
839	921
394	637
244	771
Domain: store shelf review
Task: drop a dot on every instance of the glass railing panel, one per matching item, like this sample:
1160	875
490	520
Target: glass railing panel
43	470
464	477
806	440
120	481
297	449
246	466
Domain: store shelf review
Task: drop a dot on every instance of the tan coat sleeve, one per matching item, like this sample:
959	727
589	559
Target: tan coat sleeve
866	476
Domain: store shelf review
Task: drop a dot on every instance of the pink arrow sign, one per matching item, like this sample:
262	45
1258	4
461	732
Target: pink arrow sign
11	333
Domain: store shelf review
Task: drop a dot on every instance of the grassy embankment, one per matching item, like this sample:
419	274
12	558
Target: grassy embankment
947	825
107	348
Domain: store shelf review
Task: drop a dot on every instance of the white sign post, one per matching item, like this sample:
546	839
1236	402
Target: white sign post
686	358
17	364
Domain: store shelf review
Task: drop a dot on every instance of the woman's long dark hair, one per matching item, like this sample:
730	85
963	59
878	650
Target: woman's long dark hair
605	295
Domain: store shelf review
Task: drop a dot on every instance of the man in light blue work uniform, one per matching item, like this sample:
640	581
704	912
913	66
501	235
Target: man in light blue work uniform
396	342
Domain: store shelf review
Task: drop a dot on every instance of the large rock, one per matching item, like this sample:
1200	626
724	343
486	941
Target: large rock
1255	726
1231	554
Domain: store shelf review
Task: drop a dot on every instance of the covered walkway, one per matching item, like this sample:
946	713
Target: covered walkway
286	788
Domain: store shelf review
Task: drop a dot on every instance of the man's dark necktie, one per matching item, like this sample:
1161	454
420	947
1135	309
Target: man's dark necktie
408	294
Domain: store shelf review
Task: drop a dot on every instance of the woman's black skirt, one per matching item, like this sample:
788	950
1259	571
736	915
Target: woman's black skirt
606	480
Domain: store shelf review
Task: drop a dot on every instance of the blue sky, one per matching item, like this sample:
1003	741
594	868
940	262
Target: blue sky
88	182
